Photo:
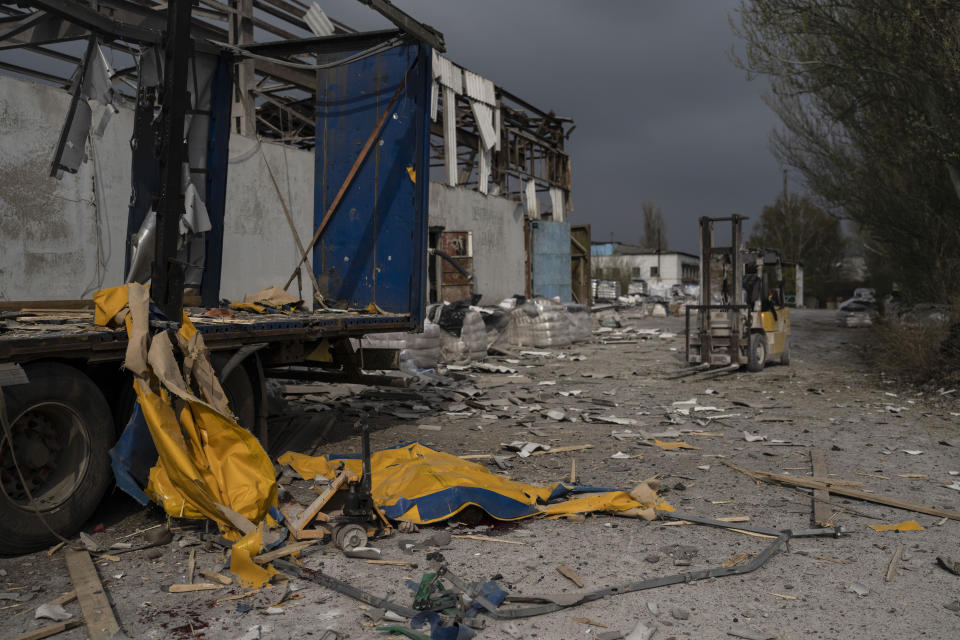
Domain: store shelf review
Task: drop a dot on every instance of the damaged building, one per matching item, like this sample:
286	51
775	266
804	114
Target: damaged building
499	177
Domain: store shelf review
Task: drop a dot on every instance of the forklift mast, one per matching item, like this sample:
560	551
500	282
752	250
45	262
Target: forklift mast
731	290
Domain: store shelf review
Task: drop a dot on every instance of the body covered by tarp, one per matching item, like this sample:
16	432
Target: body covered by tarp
205	460
417	484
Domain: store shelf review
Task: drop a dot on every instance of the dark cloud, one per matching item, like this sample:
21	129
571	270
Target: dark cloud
661	112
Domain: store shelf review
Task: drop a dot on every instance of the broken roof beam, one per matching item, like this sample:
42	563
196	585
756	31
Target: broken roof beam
285	108
422	32
126	20
57	80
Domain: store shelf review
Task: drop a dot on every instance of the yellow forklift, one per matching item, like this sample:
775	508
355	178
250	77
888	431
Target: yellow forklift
741	318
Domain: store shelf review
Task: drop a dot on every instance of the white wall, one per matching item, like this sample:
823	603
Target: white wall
497	224
258	247
49	228
670	266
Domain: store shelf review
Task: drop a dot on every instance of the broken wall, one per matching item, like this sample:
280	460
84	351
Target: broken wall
496	225
64	239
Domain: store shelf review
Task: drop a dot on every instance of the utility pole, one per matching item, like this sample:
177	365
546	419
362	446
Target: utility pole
166	284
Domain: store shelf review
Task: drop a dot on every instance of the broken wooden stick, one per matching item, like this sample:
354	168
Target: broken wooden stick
675	523
298	524
213	576
578	447
470	536
570	575
776	478
821	498
282	552
894	562
196	586
49	630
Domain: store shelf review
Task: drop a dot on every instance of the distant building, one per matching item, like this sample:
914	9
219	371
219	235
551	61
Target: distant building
620	261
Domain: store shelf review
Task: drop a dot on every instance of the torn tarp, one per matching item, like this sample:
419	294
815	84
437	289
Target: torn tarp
417	484
204	458
269	300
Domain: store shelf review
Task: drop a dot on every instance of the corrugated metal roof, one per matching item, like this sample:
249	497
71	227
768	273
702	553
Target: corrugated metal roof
479	88
318	21
449	74
483	114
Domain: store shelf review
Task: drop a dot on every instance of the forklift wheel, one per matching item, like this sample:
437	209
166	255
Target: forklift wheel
785	356
757	356
351	536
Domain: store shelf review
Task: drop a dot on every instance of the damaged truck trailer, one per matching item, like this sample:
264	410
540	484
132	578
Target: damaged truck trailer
65	393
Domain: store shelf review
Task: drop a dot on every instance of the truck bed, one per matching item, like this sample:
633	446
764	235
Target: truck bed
35	335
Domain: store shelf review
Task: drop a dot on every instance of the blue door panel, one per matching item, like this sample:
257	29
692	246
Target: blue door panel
550	263
373	249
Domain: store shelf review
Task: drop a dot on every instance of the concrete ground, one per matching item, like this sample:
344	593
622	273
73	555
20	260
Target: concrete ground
828	398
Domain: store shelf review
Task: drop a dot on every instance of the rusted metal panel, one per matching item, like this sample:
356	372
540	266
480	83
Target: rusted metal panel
580	264
454	284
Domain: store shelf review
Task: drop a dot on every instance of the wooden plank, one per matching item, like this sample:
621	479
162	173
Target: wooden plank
197	586
49	630
579	447
821	498
294	547
213	576
297	524
847	493
58	305
677	523
101	623
191	565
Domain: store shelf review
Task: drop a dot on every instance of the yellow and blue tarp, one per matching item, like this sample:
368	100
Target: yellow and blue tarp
417	484
200	459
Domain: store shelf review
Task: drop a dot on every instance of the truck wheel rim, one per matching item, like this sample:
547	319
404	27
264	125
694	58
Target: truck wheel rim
52	447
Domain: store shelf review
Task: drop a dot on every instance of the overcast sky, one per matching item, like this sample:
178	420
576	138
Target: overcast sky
661	112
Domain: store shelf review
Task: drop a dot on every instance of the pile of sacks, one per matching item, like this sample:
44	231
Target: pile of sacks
460	332
417	350
542	322
471	343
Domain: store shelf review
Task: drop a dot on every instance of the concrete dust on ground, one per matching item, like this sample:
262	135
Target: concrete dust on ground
827	399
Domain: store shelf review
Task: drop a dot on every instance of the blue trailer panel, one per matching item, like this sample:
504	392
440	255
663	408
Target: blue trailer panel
373	249
550	259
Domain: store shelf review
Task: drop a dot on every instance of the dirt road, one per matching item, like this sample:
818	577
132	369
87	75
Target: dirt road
826	399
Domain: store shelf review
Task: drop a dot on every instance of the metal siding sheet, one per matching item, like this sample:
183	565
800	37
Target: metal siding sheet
551	259
372	250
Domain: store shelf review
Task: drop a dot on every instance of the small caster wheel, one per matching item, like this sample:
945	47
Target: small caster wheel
351	536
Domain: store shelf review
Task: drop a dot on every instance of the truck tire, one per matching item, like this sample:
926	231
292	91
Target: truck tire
757	353
62	430
785	356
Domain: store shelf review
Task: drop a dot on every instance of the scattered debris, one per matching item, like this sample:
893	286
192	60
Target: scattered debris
570	574
670	446
949	564
857	588
641	632
906	525
52	612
